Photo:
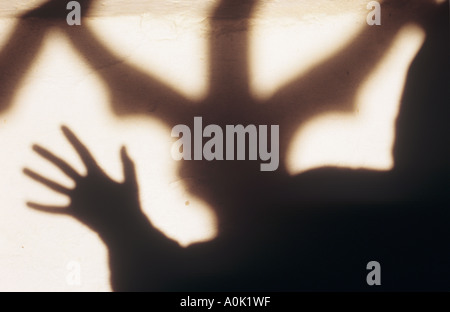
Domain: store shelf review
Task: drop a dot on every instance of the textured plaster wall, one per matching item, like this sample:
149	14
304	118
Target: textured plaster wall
169	41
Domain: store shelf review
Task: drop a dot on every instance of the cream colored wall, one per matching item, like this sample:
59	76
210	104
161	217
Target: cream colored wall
169	40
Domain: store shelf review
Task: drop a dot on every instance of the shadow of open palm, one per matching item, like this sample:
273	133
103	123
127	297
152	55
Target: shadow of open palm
347	217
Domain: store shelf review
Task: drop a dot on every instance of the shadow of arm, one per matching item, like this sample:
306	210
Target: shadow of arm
333	85
139	254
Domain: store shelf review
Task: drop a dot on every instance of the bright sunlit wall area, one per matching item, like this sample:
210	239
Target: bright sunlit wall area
169	41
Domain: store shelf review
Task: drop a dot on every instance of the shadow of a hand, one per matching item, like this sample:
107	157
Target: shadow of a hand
99	202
